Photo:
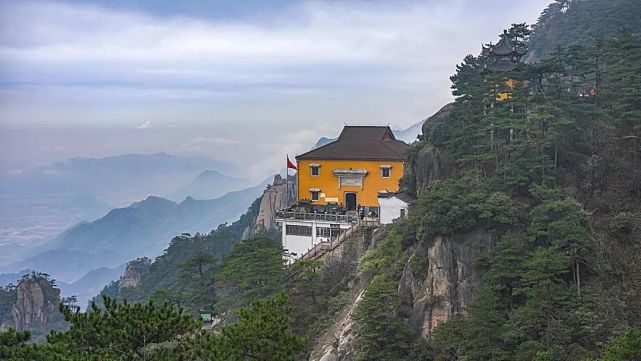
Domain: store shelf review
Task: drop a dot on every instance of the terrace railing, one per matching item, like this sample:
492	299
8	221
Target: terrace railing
308	216
323	247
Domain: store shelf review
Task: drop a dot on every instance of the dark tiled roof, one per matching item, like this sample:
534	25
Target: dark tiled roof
363	143
505	55
504	46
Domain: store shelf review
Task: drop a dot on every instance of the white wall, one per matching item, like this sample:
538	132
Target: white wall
301	244
390	209
297	244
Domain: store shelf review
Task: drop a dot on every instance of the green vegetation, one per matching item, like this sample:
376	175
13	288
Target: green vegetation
123	331
253	269
184	274
624	347
8	298
554	284
574	22
382	335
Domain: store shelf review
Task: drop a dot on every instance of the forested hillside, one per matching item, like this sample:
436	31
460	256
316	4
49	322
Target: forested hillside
574	22
539	217
182	275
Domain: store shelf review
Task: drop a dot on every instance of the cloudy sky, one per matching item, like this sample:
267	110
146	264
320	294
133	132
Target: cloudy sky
243	81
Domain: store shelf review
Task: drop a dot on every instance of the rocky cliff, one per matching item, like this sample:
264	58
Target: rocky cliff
35	307
427	164
439	281
134	272
273	199
342	264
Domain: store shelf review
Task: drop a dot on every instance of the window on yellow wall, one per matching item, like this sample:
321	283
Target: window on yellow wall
315	195
315	170
386	171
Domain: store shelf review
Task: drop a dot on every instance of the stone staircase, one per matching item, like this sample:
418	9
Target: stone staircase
323	247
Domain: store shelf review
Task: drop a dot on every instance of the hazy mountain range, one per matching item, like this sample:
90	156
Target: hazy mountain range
142	229
76	221
122	178
37	204
208	185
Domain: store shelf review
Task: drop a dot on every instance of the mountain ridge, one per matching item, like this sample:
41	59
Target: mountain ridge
137	230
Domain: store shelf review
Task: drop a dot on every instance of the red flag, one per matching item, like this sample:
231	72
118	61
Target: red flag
291	165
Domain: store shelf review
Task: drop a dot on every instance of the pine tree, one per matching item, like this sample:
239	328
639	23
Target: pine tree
381	333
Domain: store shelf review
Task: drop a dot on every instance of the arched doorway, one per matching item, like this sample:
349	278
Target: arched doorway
350	201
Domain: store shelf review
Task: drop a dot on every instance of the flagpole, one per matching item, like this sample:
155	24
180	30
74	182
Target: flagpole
287	180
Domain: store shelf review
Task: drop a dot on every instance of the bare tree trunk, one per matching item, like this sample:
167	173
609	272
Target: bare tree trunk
556	156
578	278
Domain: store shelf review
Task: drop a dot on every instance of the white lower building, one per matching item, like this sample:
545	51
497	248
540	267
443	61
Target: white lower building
302	231
391	206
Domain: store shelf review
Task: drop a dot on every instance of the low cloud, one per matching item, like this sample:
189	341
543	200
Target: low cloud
206	145
144	125
313	45
310	68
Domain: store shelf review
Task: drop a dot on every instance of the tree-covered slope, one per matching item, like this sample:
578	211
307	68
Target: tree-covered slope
177	275
526	247
582	22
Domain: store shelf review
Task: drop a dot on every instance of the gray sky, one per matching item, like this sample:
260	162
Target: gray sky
243	81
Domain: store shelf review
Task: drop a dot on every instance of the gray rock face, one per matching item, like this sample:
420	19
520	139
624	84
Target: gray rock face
439	280
429	164
274	198
37	302
430	167
330	354
439	118
134	272
337	342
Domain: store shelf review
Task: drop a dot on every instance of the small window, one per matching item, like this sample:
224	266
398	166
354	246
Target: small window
323	232
385	172
315	195
315	170
293	230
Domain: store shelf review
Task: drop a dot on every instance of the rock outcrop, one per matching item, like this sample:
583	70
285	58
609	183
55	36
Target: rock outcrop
429	165
337	342
274	198
134	272
439	280
36	305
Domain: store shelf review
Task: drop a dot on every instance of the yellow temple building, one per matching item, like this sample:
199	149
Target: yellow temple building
351	171
351	181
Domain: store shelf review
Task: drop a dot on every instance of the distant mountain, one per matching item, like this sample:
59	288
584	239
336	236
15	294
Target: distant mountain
84	289
410	133
28	221
90	284
208	185
407	135
322	141
37	204
14	277
115	179
141	229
